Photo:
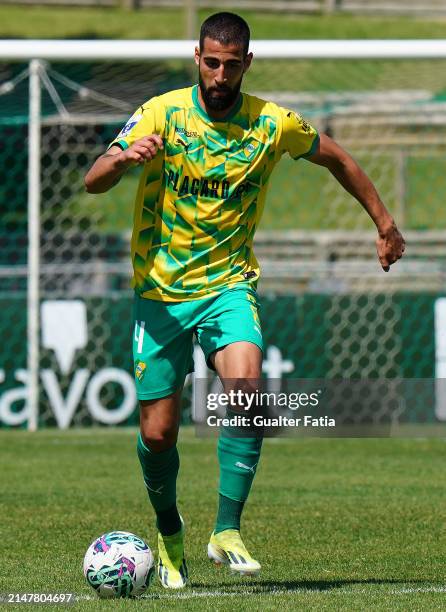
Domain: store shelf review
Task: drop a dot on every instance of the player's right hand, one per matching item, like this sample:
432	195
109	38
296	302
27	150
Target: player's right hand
390	246
142	150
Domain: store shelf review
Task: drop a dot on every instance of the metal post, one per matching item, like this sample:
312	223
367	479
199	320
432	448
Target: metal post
33	242
401	188
330	6
191	19
131	5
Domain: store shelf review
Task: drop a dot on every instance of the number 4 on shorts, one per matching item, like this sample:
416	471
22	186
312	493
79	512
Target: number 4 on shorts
139	335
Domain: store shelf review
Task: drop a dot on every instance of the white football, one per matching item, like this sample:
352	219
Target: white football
119	564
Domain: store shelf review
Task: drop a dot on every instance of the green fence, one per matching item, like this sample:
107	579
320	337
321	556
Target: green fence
305	337
341	318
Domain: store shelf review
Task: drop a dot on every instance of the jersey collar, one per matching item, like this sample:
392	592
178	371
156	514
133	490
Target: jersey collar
204	114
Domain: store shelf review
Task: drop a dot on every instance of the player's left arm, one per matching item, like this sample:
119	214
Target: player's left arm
390	243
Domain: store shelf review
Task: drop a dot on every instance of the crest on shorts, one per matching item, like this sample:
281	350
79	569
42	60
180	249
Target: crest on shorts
140	370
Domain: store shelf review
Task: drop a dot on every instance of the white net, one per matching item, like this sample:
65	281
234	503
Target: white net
328	308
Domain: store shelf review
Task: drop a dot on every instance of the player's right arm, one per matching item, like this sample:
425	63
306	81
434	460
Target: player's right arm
108	168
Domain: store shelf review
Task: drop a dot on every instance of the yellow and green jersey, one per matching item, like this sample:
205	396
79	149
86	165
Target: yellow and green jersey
200	200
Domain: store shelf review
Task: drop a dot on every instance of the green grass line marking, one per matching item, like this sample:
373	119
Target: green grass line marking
275	592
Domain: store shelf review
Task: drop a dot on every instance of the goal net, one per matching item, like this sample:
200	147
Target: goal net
328	311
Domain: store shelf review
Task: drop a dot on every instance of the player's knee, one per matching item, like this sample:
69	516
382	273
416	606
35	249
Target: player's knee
251	374
247	381
244	390
159	439
244	377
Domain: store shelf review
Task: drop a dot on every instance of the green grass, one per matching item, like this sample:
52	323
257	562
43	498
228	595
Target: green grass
71	22
336	524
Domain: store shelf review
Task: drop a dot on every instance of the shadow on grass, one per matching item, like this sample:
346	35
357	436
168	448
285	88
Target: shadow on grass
271	586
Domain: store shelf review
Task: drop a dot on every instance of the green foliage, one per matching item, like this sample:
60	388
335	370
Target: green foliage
96	22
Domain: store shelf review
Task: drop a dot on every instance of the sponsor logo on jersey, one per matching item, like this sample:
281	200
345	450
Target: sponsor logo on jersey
305	126
183	132
186	145
130	125
208	188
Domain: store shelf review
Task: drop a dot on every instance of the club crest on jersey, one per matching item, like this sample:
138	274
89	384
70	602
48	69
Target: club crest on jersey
140	370
250	149
130	125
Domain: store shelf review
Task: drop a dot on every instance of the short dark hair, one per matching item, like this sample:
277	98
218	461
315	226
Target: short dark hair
226	28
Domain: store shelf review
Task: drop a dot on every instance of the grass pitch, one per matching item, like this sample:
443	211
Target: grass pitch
153	23
336	524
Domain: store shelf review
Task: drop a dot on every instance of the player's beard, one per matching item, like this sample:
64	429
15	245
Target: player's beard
219	102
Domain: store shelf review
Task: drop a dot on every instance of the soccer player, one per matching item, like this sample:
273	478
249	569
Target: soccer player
207	153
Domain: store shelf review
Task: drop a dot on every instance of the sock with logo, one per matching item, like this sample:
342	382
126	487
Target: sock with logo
160	472
238	459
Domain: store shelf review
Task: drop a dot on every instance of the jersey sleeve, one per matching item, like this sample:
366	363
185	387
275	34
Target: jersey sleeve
147	119
297	137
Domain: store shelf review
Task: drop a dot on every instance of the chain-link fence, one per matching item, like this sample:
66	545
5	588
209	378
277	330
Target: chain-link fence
328	309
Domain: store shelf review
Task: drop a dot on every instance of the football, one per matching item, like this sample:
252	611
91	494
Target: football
119	564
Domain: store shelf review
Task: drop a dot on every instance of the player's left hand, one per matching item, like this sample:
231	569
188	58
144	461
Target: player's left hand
390	246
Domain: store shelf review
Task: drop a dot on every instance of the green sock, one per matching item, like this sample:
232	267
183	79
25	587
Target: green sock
238	459
160	472
229	513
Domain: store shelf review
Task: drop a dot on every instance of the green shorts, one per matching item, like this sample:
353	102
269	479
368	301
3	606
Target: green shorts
163	335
